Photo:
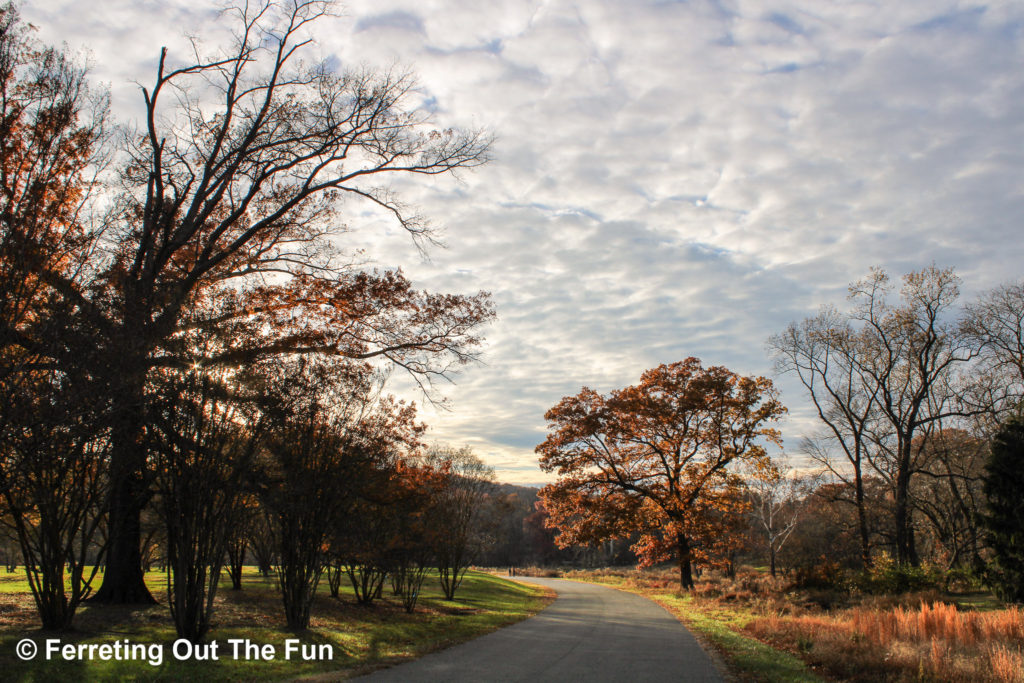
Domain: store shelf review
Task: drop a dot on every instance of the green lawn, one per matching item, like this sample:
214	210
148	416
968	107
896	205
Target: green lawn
361	638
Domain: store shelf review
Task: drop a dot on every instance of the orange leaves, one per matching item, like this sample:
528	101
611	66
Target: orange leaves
680	419
654	457
50	128
354	314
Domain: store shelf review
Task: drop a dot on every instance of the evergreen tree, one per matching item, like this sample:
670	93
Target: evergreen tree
1003	484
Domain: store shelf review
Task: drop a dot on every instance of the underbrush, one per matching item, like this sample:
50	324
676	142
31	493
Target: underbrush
933	641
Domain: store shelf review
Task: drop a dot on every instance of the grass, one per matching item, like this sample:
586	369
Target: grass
361	638
933	641
769	631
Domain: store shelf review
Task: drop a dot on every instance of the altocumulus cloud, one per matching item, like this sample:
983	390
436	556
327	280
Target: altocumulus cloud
671	178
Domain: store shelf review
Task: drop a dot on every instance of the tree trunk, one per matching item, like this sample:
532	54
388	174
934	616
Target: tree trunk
905	551
127	365
236	561
862	520
685	571
124	582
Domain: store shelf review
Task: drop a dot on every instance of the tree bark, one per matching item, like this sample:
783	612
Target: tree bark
124	582
685	566
905	551
236	562
862	520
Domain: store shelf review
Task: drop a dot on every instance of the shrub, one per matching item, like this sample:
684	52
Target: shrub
887	576
824	575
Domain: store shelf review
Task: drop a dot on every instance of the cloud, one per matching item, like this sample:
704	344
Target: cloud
399	21
671	179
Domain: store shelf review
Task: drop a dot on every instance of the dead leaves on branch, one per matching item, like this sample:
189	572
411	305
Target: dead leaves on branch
358	315
655	458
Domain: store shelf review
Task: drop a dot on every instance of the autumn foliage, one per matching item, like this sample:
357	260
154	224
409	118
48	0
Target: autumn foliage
52	475
184	333
659	458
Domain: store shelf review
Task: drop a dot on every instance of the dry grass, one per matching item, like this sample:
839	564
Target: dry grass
934	641
539	572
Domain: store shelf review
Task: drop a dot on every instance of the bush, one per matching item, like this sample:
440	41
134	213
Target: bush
887	576
958	580
825	575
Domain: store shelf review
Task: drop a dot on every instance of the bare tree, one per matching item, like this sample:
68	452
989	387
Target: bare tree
777	498
238	178
915	351
899	376
457	510
822	351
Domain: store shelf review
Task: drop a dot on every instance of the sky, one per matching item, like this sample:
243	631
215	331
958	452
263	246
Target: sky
670	179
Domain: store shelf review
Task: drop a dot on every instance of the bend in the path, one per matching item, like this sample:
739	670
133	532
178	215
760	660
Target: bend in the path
590	633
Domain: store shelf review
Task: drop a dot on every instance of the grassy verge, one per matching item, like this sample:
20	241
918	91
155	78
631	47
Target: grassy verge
747	658
360	638
768	630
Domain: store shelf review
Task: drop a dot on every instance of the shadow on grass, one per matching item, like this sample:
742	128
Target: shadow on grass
359	638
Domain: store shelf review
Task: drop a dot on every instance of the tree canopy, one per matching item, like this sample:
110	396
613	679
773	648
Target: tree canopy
655	458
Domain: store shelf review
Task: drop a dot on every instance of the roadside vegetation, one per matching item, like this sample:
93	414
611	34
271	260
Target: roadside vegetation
890	550
786	629
362	637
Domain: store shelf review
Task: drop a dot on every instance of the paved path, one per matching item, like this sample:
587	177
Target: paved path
590	633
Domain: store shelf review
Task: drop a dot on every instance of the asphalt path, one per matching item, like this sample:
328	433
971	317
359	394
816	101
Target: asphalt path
590	633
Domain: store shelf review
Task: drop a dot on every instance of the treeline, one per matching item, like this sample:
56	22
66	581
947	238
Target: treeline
918	398
918	459
190	359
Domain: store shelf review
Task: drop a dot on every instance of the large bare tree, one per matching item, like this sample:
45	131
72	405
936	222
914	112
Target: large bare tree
915	352
235	188
884	376
822	352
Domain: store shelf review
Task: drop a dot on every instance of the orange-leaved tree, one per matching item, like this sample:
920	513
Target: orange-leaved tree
53	475
655	458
